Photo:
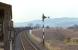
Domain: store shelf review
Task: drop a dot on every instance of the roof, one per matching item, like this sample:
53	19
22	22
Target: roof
4	4
6	7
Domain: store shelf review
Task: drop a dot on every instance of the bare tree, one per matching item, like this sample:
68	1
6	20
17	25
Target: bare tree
47	27
30	25
37	26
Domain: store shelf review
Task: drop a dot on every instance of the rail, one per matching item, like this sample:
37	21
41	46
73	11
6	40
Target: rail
25	40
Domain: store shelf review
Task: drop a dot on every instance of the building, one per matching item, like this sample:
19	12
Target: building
5	24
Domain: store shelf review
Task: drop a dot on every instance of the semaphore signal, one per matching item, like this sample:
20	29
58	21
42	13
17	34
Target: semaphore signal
43	36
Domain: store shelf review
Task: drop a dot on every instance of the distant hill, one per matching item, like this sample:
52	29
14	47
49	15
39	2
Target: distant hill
56	22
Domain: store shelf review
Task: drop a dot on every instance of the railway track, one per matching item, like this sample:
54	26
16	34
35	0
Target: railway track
27	44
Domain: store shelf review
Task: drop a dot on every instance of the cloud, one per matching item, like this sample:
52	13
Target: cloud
33	9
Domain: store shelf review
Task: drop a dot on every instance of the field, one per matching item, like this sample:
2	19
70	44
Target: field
58	38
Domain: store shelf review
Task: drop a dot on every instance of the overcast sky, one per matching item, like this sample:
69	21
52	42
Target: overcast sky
27	10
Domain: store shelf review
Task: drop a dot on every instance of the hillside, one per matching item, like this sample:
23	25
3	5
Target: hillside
56	38
56	22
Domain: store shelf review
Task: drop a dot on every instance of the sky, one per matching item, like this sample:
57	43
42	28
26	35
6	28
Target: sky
28	10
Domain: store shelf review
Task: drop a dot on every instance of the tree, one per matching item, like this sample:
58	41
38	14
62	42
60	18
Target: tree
30	25
37	26
47	27
68	39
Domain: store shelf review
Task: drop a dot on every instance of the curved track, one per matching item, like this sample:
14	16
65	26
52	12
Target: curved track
23	42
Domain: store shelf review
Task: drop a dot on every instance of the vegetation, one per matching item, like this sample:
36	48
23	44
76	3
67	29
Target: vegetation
59	38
